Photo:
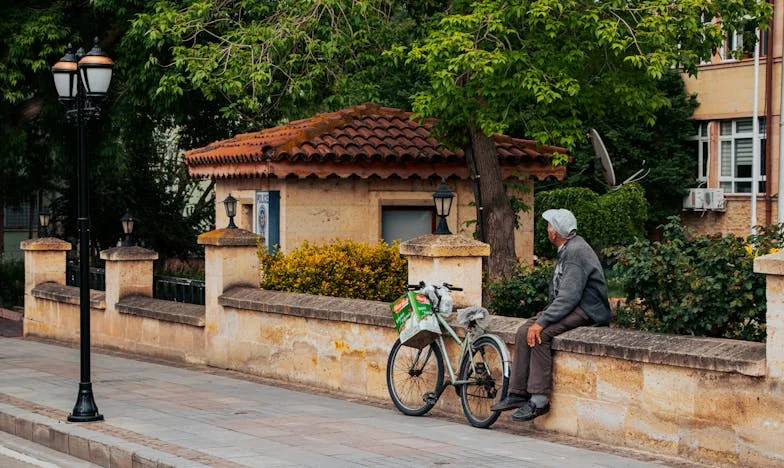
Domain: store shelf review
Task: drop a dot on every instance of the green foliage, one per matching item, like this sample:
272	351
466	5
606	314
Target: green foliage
339	268
133	165
695	285
523	294
543	66
262	62
613	219
11	282
665	148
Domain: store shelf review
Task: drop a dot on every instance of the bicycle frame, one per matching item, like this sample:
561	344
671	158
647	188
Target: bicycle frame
464	345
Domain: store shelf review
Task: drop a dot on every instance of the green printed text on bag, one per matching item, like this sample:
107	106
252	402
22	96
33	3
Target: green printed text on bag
414	320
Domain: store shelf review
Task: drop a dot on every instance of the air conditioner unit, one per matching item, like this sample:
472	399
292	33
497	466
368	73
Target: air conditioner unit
704	199
694	200
714	199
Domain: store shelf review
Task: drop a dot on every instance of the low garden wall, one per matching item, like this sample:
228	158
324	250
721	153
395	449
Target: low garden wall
710	400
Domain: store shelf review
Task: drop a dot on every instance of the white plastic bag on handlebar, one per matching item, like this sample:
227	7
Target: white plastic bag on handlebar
472	314
439	295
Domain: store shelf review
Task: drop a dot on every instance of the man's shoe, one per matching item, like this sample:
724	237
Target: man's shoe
529	411
510	402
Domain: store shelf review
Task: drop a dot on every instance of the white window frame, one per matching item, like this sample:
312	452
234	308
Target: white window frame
703	150
731	181
705	19
734	41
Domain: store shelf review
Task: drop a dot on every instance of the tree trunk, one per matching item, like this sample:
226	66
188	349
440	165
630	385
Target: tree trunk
495	216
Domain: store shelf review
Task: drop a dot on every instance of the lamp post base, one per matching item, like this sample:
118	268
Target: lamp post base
85	409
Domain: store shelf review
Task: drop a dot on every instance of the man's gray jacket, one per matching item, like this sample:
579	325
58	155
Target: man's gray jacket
578	280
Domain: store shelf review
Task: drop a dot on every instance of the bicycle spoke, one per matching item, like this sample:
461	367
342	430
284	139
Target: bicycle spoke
486	382
413	374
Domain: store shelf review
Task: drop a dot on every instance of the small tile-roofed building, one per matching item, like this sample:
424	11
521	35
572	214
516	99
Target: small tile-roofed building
363	173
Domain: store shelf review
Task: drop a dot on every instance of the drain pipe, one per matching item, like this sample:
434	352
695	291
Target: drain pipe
769	118
781	129
755	159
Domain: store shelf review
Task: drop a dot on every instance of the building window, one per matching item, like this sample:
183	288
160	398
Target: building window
17	216
736	140
702	151
735	41
406	222
705	19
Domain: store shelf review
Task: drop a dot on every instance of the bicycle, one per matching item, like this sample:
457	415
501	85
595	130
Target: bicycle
415	377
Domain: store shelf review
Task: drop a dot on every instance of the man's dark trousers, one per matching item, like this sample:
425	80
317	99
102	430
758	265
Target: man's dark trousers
532	368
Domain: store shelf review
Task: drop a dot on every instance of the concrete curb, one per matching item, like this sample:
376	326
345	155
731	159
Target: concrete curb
11	315
80	442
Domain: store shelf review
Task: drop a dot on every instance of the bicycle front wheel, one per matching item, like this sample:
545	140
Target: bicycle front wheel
414	377
483	370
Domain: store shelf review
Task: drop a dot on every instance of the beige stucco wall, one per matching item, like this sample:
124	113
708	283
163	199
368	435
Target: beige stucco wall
319	210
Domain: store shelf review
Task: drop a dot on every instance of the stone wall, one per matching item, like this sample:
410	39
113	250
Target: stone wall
712	400
705	399
135	324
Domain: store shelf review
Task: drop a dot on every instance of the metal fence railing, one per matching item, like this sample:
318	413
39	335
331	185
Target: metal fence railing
97	277
167	288
178	289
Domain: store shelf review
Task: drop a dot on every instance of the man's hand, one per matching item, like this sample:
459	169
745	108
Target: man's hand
535	335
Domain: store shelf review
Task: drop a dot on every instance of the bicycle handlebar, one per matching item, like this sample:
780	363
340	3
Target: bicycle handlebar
422	285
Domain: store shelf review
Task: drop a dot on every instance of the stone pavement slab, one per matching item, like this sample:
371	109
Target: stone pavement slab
181	415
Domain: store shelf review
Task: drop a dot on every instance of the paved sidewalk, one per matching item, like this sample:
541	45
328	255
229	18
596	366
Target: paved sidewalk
169	415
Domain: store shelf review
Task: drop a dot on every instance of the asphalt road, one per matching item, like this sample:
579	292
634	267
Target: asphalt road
20	453
10	328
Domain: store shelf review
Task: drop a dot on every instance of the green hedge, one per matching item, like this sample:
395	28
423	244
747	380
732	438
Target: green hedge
11	282
339	268
612	219
524	293
695	285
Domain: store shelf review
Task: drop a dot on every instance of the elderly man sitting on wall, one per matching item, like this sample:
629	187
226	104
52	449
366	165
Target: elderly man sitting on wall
578	297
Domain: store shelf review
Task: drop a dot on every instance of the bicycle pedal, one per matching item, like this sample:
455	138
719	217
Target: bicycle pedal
430	398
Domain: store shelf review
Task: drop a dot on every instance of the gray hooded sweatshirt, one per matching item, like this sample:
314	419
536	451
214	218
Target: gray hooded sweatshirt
578	280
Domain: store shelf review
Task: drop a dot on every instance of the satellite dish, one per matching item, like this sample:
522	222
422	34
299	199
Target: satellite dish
607	168
603	158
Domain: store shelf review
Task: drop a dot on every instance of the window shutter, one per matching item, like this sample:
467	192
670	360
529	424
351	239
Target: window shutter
726	158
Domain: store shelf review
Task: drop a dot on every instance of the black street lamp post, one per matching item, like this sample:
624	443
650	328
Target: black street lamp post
230	203
43	223
82	81
127	224
442	198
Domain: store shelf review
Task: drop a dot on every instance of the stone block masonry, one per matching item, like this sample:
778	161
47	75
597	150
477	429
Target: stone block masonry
711	400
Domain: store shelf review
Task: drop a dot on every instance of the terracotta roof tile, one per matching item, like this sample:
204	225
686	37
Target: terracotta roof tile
378	138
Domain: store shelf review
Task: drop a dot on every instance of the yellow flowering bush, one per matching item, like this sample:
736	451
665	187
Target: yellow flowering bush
340	268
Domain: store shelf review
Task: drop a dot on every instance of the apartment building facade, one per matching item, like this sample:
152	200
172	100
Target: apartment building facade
725	134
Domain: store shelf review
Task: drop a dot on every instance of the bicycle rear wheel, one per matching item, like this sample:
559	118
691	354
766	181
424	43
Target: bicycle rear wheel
414	377
483	368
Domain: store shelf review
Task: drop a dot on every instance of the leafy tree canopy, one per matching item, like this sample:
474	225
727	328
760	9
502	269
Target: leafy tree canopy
209	68
540	67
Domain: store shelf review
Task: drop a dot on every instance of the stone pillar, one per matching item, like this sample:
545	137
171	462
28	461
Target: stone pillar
44	261
773	266
128	272
230	260
452	259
